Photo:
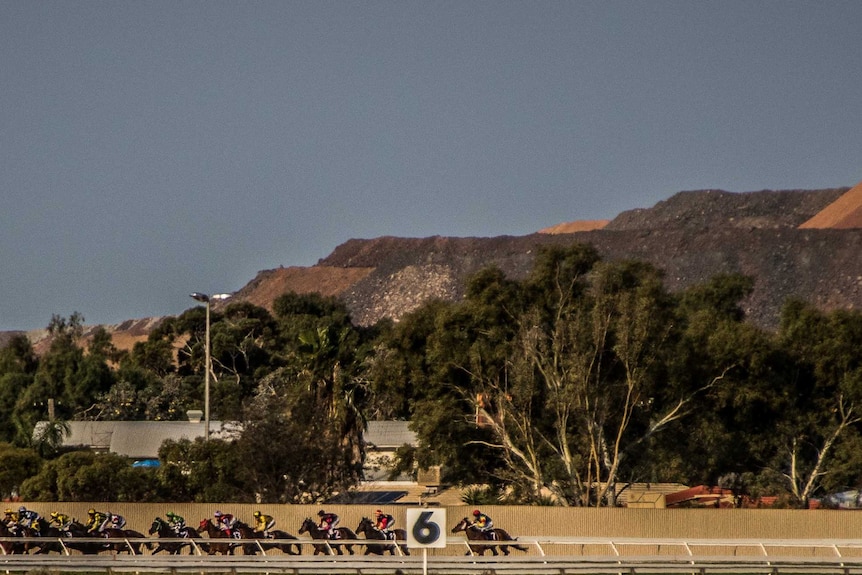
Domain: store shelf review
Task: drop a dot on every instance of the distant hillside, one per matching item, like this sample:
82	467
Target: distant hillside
692	236
798	243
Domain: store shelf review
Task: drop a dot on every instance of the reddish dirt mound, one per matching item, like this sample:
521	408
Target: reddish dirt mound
578	226
325	280
844	213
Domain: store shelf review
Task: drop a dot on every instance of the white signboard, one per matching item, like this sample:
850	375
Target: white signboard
426	528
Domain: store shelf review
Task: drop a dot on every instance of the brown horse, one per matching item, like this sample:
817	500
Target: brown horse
207	526
344	533
76	531
50	534
473	533
367	527
247	532
128	544
10	547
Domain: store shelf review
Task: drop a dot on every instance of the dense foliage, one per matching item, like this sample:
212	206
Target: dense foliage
563	387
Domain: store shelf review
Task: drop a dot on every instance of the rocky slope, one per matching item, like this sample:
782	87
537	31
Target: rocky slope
692	236
803	244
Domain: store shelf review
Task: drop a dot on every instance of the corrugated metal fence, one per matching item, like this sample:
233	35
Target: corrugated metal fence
528	521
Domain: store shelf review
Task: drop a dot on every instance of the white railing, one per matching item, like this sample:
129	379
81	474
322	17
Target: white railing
579	555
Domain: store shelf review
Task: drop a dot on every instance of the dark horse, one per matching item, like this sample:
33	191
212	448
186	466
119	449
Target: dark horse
245	531
264	541
164	530
344	533
367	527
206	526
76	531
51	534
128	544
10	547
475	534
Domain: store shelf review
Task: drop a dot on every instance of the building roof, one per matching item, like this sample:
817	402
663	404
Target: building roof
142	439
137	439
389	434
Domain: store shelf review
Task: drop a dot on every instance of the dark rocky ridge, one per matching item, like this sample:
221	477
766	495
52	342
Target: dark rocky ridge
692	236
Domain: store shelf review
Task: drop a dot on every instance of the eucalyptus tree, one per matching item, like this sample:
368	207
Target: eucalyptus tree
561	380
730	431
820	401
18	365
68	378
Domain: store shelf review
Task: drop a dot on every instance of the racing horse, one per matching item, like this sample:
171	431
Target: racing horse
164	530
51	534
344	533
77	530
366	526
247	532
473	533
128	544
9	547
207	526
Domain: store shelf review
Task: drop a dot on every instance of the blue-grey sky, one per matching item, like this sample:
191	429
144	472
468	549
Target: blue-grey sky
149	149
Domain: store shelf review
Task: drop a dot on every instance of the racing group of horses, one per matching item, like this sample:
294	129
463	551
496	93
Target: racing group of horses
77	537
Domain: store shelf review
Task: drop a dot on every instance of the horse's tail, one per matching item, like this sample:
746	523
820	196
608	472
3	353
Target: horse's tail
518	547
504	536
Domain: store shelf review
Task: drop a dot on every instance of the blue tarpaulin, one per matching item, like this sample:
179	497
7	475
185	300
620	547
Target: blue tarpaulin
146	463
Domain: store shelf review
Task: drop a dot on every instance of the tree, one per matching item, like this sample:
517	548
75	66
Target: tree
559	380
325	353
89	476
734	421
18	465
204	471
580	386
821	403
292	443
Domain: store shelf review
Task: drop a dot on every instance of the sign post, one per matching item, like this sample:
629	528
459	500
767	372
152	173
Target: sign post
426	529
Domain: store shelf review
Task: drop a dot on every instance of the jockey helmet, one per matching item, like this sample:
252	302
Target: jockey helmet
217	514
476	512
321	513
378	512
257	513
54	514
22	509
8	512
170	514
91	511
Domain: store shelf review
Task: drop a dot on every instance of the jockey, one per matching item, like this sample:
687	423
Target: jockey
62	520
329	521
177	523
264	523
29	519
95	520
483	523
383	521
112	521
225	522
10	520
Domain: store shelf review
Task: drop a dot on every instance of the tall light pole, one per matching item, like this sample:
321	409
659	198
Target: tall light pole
204	298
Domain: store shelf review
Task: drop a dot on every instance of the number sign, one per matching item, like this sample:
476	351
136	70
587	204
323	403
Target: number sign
426	528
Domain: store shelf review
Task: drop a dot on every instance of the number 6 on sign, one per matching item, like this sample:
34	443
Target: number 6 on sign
426	528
